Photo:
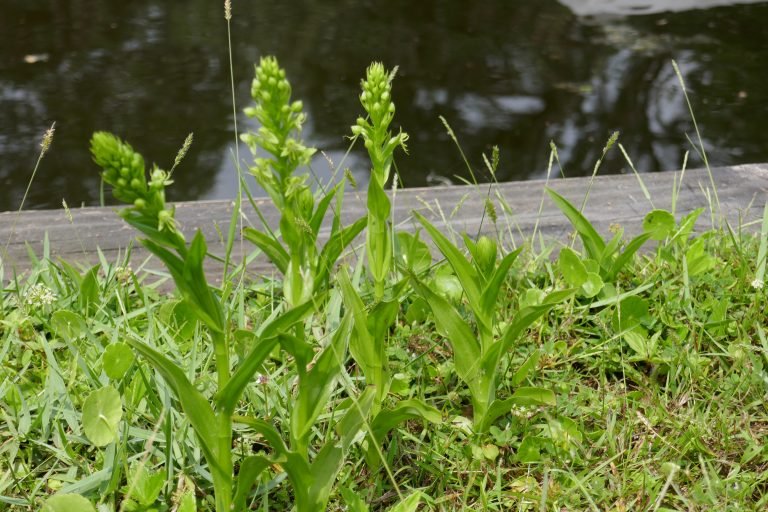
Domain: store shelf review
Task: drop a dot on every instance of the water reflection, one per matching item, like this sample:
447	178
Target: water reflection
512	74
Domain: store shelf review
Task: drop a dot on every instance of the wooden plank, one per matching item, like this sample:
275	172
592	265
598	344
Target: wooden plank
618	199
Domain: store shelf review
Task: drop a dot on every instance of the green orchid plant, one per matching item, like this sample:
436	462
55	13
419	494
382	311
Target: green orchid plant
478	351
210	417
305	268
376	99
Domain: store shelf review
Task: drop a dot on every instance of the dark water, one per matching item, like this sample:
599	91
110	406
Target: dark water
516	74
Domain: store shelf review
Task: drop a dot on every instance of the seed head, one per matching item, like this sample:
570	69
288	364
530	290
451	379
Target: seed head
182	151
227	10
47	140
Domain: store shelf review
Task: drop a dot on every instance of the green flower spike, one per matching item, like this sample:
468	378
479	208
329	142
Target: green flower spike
376	99
281	121
123	169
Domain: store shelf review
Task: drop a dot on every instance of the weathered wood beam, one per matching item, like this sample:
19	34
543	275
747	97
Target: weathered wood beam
618	199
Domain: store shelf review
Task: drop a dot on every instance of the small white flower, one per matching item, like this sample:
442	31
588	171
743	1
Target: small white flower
262	380
123	274
39	295
758	284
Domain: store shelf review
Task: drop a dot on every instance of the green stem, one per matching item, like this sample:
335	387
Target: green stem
222	469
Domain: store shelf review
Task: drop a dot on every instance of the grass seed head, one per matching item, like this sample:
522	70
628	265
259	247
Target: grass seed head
45	144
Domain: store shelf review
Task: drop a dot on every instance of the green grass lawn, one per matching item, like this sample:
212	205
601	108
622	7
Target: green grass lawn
658	398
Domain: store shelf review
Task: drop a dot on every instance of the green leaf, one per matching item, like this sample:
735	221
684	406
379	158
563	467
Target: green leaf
529	364
89	290
492	289
378	239
250	469
187	502
180	317
466	349
144	486
269	246
572	268
409	504
405	410
102	411
366	350
530	449
195	406
67	324
189	276
687	223
640	343
315	387
67	503
286	320
352	501
524	318
117	359
592	285
626	256
447	285
658	224
698	260
333	248
321	208
329	460
593	242
297	468
630	312
228	397
464	270
412	253
527	396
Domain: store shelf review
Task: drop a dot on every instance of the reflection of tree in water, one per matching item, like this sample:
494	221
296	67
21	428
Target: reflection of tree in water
512	74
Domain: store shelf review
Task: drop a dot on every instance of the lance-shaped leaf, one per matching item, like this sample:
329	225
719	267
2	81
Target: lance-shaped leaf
298	469
466	349
525	397
315	387
626	256
269	246
405	410
529	364
189	276
194	404
229	395
333	248
593	242
524	318
461	266
329	460
409	504
367	351
467	353
318	215
492	289
378	238
149	226
283	322
250	469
